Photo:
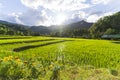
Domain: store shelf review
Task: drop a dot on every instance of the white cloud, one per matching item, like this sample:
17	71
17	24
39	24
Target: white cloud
31	3
80	14
108	13
44	12
100	1
16	16
33	17
41	17
44	19
1	5
95	17
56	4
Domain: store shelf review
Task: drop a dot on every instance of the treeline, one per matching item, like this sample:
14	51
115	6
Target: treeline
78	29
13	29
109	25
84	33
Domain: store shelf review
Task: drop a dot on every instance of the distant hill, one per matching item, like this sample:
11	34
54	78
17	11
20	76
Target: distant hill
80	24
70	30
63	30
8	28
78	29
40	30
109	25
13	24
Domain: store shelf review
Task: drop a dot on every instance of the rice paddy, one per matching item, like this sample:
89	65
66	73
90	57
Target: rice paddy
59	58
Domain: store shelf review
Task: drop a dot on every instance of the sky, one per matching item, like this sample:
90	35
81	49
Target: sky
56	12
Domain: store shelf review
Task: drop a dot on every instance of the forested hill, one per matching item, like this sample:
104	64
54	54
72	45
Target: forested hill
109	25
79	29
7	28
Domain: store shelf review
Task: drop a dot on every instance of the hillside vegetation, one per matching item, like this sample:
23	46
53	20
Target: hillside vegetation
109	25
78	29
7	28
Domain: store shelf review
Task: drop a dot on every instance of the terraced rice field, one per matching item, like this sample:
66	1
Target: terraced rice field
70	56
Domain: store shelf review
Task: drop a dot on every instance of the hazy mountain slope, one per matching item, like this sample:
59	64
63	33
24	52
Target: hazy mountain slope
78	25
55	30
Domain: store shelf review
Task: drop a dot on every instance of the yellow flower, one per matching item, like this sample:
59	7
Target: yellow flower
5	59
10	57
18	61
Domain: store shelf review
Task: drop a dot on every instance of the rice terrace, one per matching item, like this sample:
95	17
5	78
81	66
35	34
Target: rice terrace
66	58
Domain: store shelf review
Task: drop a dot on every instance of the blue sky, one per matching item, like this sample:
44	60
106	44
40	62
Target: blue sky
56	12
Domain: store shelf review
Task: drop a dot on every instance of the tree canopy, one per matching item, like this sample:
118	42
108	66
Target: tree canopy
106	25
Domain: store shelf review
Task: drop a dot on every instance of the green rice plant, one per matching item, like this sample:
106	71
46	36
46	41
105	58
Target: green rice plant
72	52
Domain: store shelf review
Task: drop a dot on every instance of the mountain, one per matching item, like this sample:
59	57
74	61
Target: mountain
77	25
8	28
40	30
109	25
56	28
14	24
70	30
80	24
78	29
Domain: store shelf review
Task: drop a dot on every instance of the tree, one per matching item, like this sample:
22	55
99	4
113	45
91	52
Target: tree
109	31
106	25
2	31
11	33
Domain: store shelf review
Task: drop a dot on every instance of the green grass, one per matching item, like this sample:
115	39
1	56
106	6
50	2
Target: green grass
103	55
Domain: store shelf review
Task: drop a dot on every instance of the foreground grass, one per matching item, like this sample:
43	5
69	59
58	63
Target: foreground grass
14	68
47	58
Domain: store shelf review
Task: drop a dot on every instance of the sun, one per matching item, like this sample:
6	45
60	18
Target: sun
60	19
